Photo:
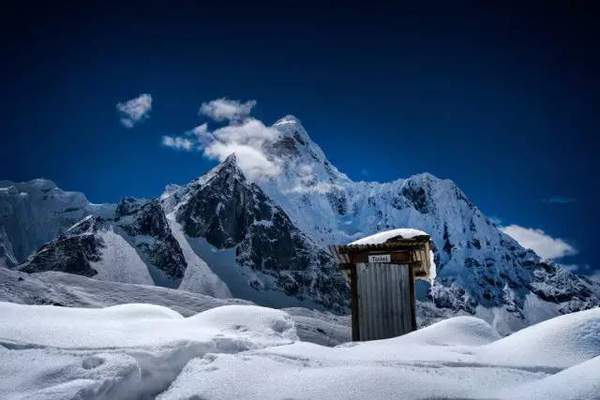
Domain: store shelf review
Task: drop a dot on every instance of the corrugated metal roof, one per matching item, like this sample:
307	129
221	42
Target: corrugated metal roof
396	244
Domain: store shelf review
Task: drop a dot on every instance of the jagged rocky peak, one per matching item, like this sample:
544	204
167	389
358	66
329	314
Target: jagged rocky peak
130	205
229	211
296	146
142	217
134	244
222	208
147	228
290	127
72	252
88	225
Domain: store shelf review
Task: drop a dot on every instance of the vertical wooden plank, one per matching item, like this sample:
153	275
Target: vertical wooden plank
378	294
387	310
411	285
354	303
394	294
403	297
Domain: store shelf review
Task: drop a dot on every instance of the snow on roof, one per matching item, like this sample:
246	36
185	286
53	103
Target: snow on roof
382	237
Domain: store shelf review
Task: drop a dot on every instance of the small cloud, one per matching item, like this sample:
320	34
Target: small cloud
191	141
199	132
545	246
556	199
245	136
177	143
247	140
224	109
365	172
135	110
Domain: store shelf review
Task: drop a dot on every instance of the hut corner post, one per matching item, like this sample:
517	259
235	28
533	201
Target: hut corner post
411	285
354	303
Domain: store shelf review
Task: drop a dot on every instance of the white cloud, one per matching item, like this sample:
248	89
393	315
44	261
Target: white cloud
537	240
191	141
247	140
245	136
224	109
199	132
135	110
178	143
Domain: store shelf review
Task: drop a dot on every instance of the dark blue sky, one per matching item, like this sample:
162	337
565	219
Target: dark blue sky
503	98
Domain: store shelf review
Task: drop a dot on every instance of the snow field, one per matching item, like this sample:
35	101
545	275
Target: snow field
243	351
126	351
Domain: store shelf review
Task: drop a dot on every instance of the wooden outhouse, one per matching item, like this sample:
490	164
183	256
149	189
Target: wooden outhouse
382	270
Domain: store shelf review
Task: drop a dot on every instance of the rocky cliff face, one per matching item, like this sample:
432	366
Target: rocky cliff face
134	245
230	212
144	221
35	212
74	251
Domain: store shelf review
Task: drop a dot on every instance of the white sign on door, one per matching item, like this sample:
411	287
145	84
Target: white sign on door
380	258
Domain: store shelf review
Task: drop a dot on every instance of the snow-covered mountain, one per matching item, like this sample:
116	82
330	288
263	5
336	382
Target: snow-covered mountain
263	239
219	236
481	270
35	212
132	245
250	242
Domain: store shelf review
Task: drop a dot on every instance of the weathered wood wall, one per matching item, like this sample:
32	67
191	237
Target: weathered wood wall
385	301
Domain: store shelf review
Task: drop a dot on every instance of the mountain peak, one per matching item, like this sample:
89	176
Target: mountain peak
229	165
288	120
230	160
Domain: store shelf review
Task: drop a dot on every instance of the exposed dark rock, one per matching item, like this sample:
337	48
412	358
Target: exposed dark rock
228	210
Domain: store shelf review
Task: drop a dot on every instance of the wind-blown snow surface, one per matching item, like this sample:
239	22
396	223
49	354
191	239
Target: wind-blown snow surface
140	351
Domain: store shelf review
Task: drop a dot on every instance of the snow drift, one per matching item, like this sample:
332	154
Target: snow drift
141	351
127	351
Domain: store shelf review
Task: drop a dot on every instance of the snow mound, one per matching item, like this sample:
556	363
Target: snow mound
140	351
450	359
253	321
560	386
559	342
465	331
127	351
129	325
382	237
69	290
